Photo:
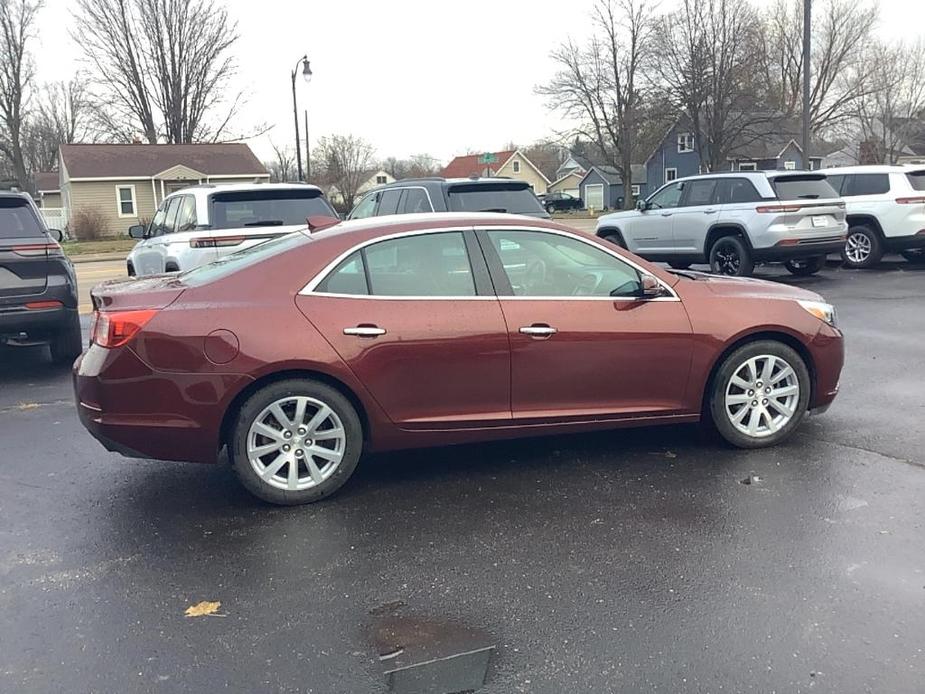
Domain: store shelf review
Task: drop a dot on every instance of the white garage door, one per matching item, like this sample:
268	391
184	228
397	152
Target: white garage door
594	196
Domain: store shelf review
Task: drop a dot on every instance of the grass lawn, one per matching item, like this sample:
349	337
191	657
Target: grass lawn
116	245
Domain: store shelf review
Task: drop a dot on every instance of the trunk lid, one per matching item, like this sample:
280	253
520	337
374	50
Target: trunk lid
24	247
131	294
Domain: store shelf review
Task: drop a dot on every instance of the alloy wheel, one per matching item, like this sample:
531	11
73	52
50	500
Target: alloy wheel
728	261
296	443
762	395
858	247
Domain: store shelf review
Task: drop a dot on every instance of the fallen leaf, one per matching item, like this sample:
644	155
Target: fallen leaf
28	406
202	609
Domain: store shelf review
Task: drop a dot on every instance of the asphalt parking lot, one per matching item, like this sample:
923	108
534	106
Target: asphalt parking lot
625	561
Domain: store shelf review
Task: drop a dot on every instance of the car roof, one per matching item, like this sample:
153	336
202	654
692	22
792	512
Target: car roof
205	189
439	181
871	168
14	194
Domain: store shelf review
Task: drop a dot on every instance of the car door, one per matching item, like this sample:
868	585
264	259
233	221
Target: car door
648	232
583	345
150	255
416	320
698	210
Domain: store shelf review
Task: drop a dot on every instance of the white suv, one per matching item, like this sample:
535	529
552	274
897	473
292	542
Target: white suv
886	212
733	220
200	224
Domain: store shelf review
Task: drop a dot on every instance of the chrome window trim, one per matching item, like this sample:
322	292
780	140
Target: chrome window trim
426	192
309	288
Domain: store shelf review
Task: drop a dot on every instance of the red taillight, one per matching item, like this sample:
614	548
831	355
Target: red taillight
217	242
39	305
115	328
34	250
910	201
778	208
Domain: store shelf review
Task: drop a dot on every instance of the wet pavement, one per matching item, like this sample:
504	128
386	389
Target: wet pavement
625	561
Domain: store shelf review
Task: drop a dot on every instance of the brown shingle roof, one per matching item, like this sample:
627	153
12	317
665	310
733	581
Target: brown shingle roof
121	161
468	165
47	181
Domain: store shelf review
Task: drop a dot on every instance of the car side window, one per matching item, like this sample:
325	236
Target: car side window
543	264
186	220
866	184
666	198
420	265
699	192
157	224
737	190
416	201
836	182
388	201
173	210
365	208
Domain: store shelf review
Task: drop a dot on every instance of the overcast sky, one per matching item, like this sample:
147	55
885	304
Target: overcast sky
410	76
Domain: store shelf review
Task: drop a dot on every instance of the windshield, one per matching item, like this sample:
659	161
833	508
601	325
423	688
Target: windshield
515	198
803	187
204	274
17	219
917	179
266	208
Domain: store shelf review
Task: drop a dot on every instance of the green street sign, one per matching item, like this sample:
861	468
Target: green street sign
488	158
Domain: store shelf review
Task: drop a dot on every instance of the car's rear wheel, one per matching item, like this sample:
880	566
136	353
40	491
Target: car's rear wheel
862	248
67	345
296	441
914	255
803	267
760	394
730	256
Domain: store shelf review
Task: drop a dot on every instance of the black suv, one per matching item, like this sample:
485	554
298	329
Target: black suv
417	195
38	287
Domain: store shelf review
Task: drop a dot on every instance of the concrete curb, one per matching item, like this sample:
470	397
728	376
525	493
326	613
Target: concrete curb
96	257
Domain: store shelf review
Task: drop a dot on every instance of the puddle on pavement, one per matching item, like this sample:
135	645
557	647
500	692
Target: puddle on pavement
423	655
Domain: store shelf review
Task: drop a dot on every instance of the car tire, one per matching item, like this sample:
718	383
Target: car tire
67	345
863	248
615	238
550	209
804	267
914	255
130	269
270	475
753	417
679	266
730	256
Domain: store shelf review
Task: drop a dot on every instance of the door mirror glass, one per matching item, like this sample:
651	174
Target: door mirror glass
136	231
56	235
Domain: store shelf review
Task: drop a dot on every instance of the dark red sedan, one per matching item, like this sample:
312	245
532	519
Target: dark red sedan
304	352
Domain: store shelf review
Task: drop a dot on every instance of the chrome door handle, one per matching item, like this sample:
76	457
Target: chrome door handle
365	331
538	330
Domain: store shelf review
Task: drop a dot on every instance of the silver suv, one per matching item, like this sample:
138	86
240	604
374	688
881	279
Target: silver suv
733	220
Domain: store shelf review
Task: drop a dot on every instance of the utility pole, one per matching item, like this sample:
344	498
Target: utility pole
308	156
807	15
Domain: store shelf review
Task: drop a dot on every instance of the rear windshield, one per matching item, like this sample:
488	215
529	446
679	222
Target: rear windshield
917	179
204	274
17	219
266	208
803	187
515	198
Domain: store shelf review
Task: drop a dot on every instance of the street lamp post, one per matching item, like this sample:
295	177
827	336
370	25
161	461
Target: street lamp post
307	76
807	34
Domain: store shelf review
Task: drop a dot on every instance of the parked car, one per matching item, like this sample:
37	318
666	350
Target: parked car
38	287
556	202
203	223
300	354
885	208
420	195
734	220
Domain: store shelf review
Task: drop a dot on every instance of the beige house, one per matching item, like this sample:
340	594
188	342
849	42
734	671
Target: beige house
126	183
506	164
568	184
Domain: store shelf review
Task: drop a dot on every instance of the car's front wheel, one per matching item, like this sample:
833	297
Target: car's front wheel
730	256
296	441
862	248
803	267
760	394
550	208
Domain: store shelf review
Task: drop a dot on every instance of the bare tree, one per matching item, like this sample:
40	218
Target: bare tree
415	166
598	84
161	68
889	116
17	25
708	63
62	115
838	64
344	160
283	167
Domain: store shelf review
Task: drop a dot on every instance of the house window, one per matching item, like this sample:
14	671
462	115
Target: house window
635	190
748	166
380	180
670	175
685	142
516	167
790	165
125	201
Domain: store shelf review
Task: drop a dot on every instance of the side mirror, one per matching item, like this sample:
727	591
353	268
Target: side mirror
137	231
642	205
649	287
56	235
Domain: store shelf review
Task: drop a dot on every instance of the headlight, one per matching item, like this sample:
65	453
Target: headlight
821	310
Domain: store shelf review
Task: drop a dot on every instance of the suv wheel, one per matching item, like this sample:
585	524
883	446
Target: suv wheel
862	248
730	256
550	208
296	441
759	394
67	345
914	255
803	267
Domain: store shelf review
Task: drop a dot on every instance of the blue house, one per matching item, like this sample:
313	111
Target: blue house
602	187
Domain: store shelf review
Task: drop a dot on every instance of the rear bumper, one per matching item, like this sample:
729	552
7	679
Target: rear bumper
39	325
143	413
807	248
